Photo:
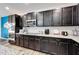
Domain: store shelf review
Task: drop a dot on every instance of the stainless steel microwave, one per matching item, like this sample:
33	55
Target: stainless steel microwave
31	23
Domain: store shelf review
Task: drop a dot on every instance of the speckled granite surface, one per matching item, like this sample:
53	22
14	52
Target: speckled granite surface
8	49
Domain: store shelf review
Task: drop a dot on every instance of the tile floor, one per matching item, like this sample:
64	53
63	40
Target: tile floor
8	49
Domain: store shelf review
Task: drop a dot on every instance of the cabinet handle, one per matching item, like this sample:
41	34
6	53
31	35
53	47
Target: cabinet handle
76	44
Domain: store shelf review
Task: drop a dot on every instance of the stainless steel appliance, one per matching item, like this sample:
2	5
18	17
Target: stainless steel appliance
30	23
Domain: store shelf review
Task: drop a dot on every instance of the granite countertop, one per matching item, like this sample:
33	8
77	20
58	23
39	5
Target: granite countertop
75	38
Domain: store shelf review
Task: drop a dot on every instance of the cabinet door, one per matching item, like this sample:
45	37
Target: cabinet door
63	48
75	15
78	15
47	18
25	41
56	21
17	41
53	47
31	16
67	16
76	49
31	42
21	40
37	43
44	44
40	19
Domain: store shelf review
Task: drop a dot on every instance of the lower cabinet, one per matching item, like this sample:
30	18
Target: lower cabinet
63	48
76	49
26	39
37	43
53	46
17	40
44	44
21	40
31	42
56	46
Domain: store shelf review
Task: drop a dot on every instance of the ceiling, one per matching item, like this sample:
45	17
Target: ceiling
23	8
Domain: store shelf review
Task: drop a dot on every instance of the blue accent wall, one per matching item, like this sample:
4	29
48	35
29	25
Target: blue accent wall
0	27
4	31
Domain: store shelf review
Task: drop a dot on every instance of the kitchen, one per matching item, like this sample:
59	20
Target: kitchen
53	31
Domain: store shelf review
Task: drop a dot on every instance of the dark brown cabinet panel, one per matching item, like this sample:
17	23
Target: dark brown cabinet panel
53	46
39	19
57	17
31	16
67	16
76	48
47	17
17	40
75	15
31	42
37	43
63	48
78	15
25	38
21	40
44	44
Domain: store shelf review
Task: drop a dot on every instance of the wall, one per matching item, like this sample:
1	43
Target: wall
69	29
4	31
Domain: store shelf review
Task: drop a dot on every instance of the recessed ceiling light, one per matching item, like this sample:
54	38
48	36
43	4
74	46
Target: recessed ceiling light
7	8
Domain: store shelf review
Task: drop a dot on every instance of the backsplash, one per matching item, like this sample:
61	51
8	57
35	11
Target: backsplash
52	30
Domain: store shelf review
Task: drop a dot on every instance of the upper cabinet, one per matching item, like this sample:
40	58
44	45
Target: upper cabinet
11	19
31	16
39	18
67	16
75	16
56	17
47	17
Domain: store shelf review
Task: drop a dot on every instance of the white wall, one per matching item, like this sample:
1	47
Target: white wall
69	29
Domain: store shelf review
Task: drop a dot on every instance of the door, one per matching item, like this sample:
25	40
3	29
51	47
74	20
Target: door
25	41
53	46
56	21
44	44
37	43
39	19
31	42
63	48
47	18
67	16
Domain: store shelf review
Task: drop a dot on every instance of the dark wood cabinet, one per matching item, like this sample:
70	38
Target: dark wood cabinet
67	16
37	43
76	48
63	48
17	40
31	42
30	16
77	15
57	17
26	40
53	46
44	44
21	40
39	17
47	17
